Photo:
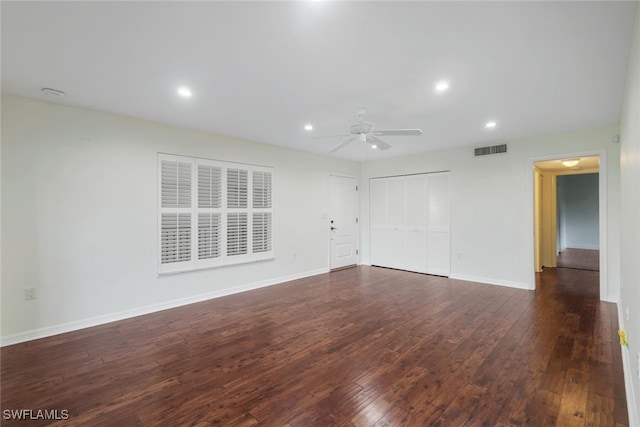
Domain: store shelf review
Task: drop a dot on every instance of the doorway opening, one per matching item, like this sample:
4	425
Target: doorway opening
567	209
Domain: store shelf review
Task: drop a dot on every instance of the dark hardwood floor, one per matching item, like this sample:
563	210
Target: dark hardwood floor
582	259
365	347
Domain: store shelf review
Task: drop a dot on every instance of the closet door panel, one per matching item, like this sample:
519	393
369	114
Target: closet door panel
396	247
389	226
416	222
378	202
379	220
438	253
396	201
416	251
380	251
438	220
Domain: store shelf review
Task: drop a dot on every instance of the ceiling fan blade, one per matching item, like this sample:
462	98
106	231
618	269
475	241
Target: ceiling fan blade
342	144
330	136
399	132
379	144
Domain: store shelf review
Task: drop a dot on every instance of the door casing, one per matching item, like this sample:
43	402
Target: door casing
602	212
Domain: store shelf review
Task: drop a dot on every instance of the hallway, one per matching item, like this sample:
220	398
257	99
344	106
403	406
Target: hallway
581	259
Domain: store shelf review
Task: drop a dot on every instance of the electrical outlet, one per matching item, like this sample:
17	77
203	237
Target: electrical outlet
294	254
29	293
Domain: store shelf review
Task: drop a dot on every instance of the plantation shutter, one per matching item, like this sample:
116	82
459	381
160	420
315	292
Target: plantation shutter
237	215
261	189
212	213
237	234
262	215
261	232
210	224
176	214
176	237
209	235
209	186
237	188
176	184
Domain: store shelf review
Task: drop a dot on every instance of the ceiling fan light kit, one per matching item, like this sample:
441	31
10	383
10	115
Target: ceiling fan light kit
365	132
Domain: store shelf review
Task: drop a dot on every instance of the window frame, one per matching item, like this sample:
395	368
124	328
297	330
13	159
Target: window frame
223	210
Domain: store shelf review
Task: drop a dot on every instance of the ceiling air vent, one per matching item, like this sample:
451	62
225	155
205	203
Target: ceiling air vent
493	149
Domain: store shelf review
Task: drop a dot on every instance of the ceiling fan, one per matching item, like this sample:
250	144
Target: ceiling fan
365	132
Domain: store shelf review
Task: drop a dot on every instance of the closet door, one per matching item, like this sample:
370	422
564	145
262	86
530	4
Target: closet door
416	223
379	221
438	233
388	229
396	211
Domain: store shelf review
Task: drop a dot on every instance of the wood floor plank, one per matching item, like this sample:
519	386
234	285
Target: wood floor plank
573	405
464	402
360	347
599	410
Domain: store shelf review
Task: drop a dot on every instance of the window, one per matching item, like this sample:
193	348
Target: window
212	213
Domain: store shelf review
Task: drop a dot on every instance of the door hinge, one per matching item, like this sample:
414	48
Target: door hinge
356	220
357	252
356	188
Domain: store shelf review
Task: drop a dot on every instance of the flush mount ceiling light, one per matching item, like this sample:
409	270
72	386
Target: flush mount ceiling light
442	86
491	125
571	162
52	92
184	92
308	127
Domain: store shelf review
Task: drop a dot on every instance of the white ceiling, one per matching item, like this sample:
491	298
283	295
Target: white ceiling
262	70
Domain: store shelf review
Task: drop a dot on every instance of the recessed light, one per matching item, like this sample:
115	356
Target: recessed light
442	86
308	127
491	125
184	92
374	146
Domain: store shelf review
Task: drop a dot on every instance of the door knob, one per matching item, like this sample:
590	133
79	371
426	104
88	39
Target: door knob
334	228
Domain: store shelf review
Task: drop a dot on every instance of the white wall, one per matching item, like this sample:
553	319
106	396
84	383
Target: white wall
578	202
492	204
630	222
79	212
79	216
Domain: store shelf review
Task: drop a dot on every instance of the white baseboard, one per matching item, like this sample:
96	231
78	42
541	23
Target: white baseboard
611	298
489	281
121	315
589	247
632	408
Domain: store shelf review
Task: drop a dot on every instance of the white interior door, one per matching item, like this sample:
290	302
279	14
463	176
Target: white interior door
343	227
